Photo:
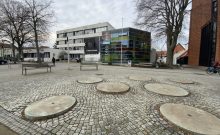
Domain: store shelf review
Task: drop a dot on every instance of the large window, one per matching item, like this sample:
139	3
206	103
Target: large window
70	34
70	41
79	40
64	35
61	42
78	33
90	31
46	54
98	30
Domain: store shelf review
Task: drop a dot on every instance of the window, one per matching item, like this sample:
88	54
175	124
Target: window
64	35
70	34
98	30
46	54
70	41
57	43
78	33
79	41
57	35
61	42
91	31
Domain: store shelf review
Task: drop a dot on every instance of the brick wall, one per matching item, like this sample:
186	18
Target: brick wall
217	58
200	15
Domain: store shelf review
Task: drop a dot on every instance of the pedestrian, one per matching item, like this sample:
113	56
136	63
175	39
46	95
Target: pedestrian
53	60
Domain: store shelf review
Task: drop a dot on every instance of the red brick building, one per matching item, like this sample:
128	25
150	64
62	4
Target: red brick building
204	41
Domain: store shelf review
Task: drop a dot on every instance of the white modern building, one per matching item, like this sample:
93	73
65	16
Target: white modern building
83	42
46	53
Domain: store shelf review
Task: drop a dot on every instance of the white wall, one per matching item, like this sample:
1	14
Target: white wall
176	55
53	52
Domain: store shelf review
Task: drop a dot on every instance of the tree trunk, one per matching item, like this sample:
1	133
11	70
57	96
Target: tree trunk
37	46
169	57
171	44
13	48
20	53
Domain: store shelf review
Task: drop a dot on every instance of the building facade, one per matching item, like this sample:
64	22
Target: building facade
82	42
204	41
6	51
46	54
122	45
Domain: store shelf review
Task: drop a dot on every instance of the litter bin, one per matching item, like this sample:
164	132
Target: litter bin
129	63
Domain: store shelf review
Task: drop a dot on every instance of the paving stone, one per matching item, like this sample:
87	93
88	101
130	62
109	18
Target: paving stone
121	113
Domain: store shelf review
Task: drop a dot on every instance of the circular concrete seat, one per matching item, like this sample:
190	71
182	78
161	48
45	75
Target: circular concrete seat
140	78
49	107
165	89
90	80
111	87
191	119
182	81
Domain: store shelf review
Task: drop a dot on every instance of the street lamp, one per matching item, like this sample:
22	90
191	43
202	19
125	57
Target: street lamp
67	41
121	40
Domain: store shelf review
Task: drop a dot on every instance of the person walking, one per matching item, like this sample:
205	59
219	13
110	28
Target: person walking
53	60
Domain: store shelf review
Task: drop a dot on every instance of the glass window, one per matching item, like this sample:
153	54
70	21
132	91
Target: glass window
70	41
70	34
78	33
91	31
46	54
64	35
61	42
98	30
115	35
79	41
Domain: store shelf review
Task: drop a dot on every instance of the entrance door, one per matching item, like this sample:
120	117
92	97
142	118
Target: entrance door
206	47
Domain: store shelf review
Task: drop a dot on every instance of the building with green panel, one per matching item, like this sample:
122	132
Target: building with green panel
122	45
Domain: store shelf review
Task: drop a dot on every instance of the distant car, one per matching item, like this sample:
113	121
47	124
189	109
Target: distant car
2	61
12	59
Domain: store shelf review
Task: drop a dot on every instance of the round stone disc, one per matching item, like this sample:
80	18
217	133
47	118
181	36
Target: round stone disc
182	81
165	89
111	87
89	80
139	78
49	107
191	119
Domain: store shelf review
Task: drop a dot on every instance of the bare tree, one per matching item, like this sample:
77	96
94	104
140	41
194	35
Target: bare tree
8	32
165	17
40	15
14	24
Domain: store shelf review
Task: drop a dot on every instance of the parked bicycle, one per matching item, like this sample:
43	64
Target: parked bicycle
214	69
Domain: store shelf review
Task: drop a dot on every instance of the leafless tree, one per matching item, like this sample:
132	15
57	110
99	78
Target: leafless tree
14	24
165	17
40	15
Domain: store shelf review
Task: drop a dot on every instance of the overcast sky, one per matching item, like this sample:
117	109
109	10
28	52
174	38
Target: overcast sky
76	13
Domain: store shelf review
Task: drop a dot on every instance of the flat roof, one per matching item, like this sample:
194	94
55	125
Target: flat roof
97	25
128	28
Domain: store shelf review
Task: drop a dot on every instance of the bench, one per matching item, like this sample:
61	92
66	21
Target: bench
86	63
30	66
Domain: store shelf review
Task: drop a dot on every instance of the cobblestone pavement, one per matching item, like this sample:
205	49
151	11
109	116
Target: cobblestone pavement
96	113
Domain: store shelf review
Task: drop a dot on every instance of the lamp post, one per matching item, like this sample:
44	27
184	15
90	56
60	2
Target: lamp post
3	43
67	41
121	40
